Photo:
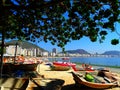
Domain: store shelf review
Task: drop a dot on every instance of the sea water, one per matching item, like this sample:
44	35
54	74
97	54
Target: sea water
107	61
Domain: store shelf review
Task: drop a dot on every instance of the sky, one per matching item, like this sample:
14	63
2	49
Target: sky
86	44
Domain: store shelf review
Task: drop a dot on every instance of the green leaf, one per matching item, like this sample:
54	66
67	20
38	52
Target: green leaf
115	41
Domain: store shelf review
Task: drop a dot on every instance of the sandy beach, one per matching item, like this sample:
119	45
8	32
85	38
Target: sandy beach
57	80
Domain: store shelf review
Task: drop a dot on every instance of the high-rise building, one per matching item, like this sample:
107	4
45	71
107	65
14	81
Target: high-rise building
54	50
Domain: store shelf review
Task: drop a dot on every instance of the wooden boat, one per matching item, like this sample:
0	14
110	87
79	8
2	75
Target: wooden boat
65	64
18	64
19	71
82	69
24	67
79	80
59	67
13	83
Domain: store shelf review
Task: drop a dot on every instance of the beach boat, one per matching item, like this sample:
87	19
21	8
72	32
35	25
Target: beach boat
59	68
24	67
82	69
19	64
85	67
19	71
65	62
79	80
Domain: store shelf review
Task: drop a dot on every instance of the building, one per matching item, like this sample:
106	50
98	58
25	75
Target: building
54	52
23	48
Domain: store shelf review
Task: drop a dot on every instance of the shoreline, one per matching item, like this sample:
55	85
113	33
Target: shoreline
110	66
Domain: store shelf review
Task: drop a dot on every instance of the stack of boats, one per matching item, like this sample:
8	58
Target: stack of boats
15	74
65	64
19	65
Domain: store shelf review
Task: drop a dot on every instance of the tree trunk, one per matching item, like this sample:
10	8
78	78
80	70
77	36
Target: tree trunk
2	52
3	20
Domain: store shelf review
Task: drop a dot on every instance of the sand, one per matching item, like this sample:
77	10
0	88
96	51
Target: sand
57	80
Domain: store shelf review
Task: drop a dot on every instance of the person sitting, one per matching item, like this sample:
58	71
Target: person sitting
87	67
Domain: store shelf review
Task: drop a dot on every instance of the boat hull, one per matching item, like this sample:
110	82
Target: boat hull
79	80
59	68
24	67
64	64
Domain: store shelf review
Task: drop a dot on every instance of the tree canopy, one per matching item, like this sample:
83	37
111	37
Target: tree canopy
58	21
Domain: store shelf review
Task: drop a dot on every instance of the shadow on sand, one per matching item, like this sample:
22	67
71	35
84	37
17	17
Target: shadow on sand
49	84
75	87
57	84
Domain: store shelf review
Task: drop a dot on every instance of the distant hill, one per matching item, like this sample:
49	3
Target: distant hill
111	53
24	44
80	51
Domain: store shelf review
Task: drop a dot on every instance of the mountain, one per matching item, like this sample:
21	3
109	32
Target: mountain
24	44
80	51
111	53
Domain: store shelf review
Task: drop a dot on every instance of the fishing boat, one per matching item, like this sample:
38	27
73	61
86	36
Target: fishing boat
80	80
19	64
85	67
82	69
24	67
59	68
65	62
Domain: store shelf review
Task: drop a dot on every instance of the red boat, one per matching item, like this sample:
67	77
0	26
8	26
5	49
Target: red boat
65	62
73	65
60	68
85	67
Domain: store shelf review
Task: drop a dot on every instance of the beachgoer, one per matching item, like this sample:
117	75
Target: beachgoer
87	67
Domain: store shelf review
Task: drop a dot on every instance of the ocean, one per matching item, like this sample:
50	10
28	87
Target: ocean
105	61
